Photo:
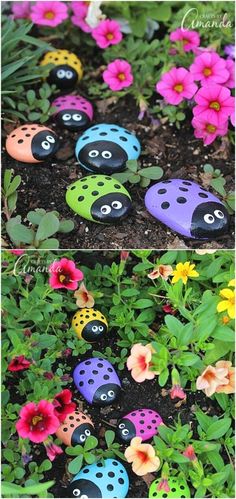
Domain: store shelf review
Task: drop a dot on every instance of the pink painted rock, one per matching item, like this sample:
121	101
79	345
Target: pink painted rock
141	423
73	112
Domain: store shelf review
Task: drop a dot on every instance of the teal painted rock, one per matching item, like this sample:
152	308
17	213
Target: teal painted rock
178	488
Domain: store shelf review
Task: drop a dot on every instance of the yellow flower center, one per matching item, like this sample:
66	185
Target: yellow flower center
49	15
110	36
62	278
121	76
178	88
225	319
207	72
215	105
36	419
211	128
185	41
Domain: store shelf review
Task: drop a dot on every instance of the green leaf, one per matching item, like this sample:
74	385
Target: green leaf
152	172
143	303
216	460
34	116
174	325
13	490
223	333
75	465
128	293
134	178
204	420
90	443
163	377
48	226
51	243
188	359
220	349
9	455
35	216
162	12
11	201
21	233
30	95
109	437
179	458
19	472
66	226
218	429
14	185
132	165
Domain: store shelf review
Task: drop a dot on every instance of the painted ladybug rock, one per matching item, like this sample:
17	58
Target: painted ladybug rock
178	488
67	71
99	198
140	423
106	148
97	381
89	324
32	143
76	428
188	209
73	112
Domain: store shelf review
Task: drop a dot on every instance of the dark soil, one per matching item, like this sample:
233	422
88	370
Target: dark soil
176	151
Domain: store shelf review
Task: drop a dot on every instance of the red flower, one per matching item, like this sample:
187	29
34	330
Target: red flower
48	375
169	310
124	255
37	421
63	405
189	452
67	352
64	274
19	364
177	392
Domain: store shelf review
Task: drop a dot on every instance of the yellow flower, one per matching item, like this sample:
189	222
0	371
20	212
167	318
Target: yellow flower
232	283
184	271
227	304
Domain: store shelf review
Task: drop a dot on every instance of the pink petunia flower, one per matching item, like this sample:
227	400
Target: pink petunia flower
80	10
163	485
176	85
140	361
21	10
107	33
208	129
37	421
189	39
19	363
118	75
52	449
209	67
177	392
49	13
230	66
216	99
190	453
64	274
17	252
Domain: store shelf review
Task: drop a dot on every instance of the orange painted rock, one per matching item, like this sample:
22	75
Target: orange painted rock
32	143
76	428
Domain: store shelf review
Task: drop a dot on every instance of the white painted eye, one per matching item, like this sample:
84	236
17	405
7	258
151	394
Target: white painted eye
209	219
77	117
66	117
45	145
87	433
103	396
76	492
100	328
117	205
94	329
106	154
106	209
219	214
61	73
111	393
69	75
125	432
50	139
82	438
93	154
84	497
121	426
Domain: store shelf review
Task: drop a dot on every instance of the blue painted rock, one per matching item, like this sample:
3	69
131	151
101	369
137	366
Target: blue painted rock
178	488
106	148
142	423
100	480
188	209
97	381
76	428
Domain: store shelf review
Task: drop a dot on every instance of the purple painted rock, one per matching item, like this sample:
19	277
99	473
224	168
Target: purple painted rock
97	381
188	209
73	112
141	423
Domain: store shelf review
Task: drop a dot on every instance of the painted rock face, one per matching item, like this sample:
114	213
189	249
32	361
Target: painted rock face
32	143
89	324
67	70
188	209
140	423
106	148
100	480
178	488
73	112
76	428
99	198
97	381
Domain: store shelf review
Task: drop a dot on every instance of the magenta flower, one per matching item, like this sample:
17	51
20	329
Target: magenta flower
118	75
164	485
176	85
230	66
216	99
49	13
189	39
21	10
190	453
37	421
209	67
64	274
107	33
52	449
17	252
177	392
208	129
80	10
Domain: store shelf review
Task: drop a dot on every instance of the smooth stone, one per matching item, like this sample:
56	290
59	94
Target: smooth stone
107	479
178	488
67	71
106	148
89	324
141	423
188	209
99	198
97	381
73	112
32	143
76	428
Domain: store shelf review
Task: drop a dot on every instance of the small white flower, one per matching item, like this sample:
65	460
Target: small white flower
94	15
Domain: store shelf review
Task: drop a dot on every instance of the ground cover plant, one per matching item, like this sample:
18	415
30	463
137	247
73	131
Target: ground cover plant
130	53
171	341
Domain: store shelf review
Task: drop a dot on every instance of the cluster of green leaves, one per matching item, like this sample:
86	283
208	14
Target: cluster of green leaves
135	174
217	181
37	106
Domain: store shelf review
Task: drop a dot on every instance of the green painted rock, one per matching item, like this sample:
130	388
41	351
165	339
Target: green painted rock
99	198
178	488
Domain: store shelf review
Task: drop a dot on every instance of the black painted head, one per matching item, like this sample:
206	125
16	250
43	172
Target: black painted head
111	208
94	330
44	145
103	156
209	221
125	430
106	394
82	488
72	119
81	433
63	76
